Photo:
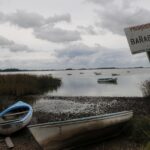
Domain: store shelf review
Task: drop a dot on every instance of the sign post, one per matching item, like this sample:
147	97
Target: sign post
148	55
139	38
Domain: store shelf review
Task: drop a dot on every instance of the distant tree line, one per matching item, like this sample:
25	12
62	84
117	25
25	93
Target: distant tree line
9	70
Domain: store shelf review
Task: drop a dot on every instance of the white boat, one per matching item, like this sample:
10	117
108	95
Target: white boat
15	117
74	133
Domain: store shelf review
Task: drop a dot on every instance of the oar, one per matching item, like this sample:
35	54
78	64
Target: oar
15	114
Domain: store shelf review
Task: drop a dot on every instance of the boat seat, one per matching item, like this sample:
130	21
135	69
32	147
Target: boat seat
2	121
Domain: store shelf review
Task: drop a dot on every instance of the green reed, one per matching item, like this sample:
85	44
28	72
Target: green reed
23	84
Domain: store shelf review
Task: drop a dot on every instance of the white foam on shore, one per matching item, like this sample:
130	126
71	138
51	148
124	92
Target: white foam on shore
62	106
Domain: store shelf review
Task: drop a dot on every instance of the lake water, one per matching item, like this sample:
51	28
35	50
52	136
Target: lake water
84	82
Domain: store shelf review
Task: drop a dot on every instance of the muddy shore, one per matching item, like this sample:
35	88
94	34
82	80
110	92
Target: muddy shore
96	106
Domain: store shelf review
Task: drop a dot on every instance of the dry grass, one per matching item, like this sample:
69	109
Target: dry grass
136	136
146	88
23	84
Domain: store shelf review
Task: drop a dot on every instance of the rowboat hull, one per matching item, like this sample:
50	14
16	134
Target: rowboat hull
11	126
72	133
107	80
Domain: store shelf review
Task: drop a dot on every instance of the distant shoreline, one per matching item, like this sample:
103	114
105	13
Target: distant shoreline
24	70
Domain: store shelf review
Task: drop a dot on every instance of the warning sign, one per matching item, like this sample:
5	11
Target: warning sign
138	38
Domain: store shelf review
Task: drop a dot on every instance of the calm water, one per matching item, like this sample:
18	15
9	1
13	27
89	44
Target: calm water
84	82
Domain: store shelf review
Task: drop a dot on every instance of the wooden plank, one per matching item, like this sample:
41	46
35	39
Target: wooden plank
9	142
15	114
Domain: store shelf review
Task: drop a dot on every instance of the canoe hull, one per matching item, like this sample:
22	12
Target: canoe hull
59	136
11	126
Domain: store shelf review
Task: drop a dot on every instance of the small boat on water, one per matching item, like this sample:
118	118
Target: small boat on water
97	73
78	132
81	73
115	74
15	118
107	80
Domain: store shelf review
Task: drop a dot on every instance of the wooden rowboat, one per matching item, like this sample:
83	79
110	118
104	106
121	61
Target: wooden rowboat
15	118
73	133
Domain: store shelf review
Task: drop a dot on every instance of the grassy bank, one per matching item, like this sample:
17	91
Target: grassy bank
139	129
23	84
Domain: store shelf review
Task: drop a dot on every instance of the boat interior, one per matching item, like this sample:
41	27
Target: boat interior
13	115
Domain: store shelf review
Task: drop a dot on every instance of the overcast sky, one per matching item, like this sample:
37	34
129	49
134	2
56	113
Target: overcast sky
48	34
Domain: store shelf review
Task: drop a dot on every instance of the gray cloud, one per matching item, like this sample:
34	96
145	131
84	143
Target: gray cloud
77	50
43	28
5	42
25	19
118	14
81	55
59	18
56	35
2	17
12	46
28	63
32	20
112	3
116	20
101	2
19	48
88	30
77	56
122	58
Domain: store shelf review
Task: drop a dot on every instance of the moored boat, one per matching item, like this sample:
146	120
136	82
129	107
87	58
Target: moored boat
115	74
107	80
73	133
15	118
81	73
97	73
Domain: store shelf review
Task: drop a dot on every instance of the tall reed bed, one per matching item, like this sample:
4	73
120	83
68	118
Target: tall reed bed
23	84
146	88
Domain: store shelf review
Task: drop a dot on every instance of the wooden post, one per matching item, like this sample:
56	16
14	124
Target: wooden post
148	55
9	142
